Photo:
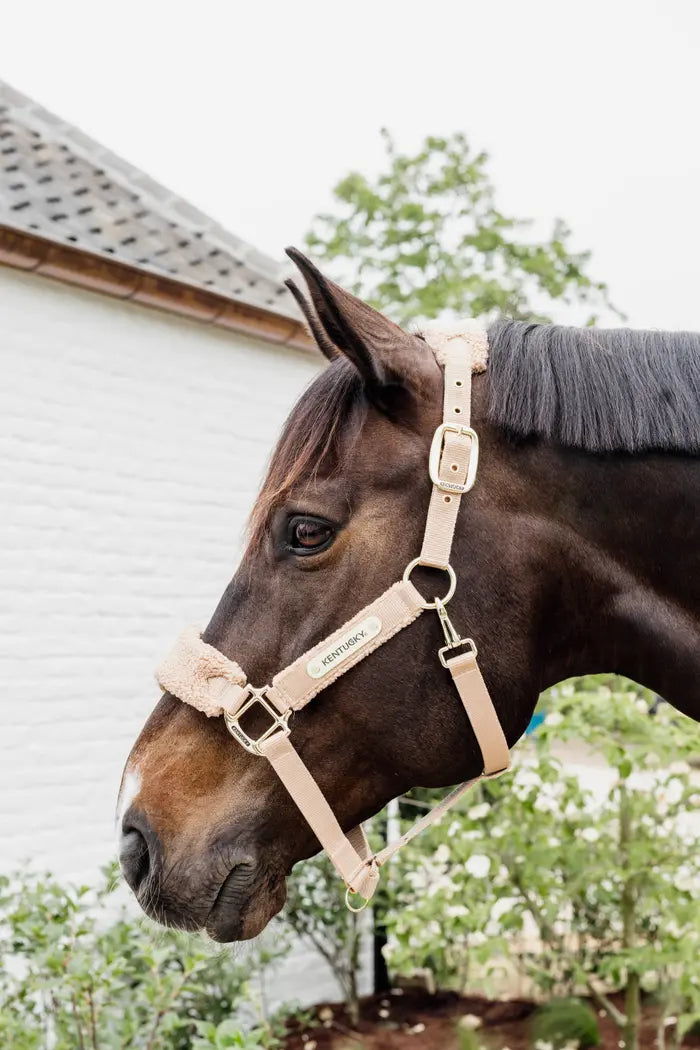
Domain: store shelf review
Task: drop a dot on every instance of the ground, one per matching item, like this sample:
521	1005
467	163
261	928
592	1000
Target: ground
417	1021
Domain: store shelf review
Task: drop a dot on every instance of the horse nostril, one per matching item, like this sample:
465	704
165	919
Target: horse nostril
134	857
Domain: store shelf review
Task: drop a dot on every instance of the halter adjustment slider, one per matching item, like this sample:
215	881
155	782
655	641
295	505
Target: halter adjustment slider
279	721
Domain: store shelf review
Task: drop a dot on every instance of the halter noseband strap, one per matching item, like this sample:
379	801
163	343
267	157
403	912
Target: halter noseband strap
200	675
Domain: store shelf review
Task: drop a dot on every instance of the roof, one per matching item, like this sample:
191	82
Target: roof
72	209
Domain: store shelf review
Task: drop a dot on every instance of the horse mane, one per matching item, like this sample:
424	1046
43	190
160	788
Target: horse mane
602	390
598	389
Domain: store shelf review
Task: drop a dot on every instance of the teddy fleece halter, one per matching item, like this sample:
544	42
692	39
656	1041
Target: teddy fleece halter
200	675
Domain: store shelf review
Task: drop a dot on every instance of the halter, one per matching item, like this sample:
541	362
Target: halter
200	675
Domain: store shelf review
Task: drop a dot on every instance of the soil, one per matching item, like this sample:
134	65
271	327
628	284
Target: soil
415	1020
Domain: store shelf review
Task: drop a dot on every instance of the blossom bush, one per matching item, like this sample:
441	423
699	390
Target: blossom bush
77	973
315	911
581	889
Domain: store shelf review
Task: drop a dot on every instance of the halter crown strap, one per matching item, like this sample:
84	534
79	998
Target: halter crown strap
201	676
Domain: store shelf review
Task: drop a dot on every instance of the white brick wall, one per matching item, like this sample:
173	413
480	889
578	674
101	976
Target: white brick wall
131	446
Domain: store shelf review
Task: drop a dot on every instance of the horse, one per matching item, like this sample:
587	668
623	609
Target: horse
577	551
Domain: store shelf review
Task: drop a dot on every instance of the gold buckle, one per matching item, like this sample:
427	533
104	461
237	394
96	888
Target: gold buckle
279	721
435	456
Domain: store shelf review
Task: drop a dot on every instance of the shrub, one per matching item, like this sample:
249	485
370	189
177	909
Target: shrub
229	1035
565	1022
608	881
315	910
77	972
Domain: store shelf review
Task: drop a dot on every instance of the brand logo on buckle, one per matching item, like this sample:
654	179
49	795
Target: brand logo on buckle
344	647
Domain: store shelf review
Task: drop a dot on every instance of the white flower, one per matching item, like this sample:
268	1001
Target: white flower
454	827
442	854
479	812
456	911
501	907
590	834
477	938
471	1021
525	777
546	802
478	865
680	768
554	719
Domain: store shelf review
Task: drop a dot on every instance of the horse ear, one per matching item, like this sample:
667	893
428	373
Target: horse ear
322	341
390	361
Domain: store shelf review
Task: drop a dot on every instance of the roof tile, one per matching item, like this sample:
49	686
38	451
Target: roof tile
59	183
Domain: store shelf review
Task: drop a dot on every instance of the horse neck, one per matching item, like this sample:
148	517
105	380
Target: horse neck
585	564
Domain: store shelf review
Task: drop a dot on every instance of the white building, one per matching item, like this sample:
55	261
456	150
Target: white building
135	338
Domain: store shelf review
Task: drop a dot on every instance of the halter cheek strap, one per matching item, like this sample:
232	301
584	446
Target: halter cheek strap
201	676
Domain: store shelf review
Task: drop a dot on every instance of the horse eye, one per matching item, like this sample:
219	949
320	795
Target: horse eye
307	535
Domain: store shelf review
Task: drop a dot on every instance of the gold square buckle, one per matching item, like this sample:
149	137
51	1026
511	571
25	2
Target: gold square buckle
436	449
233	722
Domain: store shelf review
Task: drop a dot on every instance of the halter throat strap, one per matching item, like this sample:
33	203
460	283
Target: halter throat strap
203	677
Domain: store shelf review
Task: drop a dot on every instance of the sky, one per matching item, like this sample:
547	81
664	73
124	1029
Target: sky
589	111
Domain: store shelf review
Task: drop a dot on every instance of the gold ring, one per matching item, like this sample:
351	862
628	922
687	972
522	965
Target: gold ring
351	907
441	568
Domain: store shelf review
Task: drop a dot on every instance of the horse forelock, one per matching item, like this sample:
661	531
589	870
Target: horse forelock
327	417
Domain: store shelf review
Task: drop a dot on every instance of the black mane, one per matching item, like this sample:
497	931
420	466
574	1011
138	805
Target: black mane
599	389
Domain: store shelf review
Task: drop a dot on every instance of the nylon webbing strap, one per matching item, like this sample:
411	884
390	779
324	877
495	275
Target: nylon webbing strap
214	684
457	353
350	858
350	854
371	627
480	712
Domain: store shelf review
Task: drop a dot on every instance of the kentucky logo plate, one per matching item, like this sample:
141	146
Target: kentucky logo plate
344	647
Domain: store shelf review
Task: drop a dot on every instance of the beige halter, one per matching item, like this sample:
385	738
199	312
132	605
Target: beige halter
202	676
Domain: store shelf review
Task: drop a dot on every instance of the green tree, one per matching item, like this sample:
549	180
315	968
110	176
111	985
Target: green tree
609	880
426	236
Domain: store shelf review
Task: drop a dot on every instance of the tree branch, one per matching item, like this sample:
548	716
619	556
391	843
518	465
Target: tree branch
606	1004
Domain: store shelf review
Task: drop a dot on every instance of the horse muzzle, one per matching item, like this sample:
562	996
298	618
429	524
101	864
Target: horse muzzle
226	890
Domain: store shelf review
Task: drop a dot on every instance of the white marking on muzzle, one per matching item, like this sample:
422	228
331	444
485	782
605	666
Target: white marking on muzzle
131	785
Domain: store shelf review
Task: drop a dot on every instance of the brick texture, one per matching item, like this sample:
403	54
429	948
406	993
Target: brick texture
132	444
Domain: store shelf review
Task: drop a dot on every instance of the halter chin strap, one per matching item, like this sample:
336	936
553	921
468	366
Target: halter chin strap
202	676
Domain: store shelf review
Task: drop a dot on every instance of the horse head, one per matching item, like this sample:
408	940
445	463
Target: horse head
208	831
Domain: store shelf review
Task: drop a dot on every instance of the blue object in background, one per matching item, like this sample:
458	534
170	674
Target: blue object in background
535	722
